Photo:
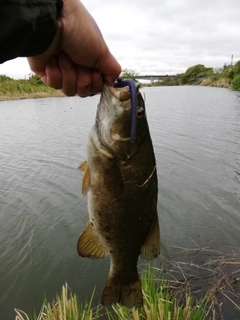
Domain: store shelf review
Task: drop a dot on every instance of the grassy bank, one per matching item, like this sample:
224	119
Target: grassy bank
174	291
33	95
158	304
220	83
33	87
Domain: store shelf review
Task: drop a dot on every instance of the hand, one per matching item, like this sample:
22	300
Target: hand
78	59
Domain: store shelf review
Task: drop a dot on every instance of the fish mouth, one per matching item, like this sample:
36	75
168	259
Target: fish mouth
113	121
125	92
122	94
113	104
115	129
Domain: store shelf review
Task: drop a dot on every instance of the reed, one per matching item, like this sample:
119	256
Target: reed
65	307
177	291
158	304
33	87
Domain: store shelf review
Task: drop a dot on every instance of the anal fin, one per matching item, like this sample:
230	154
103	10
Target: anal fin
89	244
151	247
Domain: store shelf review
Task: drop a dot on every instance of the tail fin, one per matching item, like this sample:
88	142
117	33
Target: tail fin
128	295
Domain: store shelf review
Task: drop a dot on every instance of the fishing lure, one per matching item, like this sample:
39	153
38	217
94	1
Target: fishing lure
120	83
133	94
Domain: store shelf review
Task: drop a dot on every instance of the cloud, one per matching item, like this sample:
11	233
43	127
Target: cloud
17	68
161	36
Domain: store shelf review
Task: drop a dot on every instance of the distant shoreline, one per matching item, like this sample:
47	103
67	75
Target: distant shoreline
34	95
222	83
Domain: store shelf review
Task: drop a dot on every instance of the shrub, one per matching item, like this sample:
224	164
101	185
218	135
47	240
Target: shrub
236	82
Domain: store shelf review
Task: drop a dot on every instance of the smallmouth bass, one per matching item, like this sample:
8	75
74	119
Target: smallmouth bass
121	181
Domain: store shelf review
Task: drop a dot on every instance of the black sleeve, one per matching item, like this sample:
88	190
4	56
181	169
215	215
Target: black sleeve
27	27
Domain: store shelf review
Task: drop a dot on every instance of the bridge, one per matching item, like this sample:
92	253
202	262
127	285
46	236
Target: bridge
151	78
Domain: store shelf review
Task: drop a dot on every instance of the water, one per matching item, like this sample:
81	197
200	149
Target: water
196	136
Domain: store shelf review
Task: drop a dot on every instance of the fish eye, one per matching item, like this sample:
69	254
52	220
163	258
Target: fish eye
140	112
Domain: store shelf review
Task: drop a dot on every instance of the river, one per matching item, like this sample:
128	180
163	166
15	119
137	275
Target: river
196	136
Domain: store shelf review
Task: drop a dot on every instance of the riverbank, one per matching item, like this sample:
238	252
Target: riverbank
58	93
34	88
31	88
220	83
176	290
33	95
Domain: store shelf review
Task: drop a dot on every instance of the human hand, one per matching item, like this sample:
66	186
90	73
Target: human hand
78	59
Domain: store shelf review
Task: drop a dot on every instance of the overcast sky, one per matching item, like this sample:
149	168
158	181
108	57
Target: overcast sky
162	36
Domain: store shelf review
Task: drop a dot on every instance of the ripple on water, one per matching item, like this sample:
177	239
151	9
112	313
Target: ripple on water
195	133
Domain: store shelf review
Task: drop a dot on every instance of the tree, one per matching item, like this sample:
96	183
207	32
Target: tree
35	80
236	82
194	72
235	72
4	78
129	73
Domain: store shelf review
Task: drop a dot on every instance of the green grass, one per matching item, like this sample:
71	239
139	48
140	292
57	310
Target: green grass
179	291
158	304
65	307
25	88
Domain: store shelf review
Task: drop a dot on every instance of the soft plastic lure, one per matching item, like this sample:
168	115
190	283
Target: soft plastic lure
133	94
120	83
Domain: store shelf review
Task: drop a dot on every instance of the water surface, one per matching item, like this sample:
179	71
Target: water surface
196	136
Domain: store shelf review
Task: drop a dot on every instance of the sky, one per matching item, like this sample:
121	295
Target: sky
162	36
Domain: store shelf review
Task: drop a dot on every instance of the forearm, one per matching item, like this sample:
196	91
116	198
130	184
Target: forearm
27	28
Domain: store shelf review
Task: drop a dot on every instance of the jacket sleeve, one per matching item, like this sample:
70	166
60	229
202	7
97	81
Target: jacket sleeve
27	27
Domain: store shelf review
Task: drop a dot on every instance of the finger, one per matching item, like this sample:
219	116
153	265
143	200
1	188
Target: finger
53	77
83	81
69	74
96	82
110	69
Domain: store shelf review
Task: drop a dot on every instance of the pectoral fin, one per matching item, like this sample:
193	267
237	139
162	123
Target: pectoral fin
86	177
151	247
89	244
82	165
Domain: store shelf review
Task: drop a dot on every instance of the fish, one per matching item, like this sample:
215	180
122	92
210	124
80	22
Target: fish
120	179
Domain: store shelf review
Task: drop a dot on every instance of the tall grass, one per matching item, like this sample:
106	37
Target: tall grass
65	307
198	289
25	88
158	304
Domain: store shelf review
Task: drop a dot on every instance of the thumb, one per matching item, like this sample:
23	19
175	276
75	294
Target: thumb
110	69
